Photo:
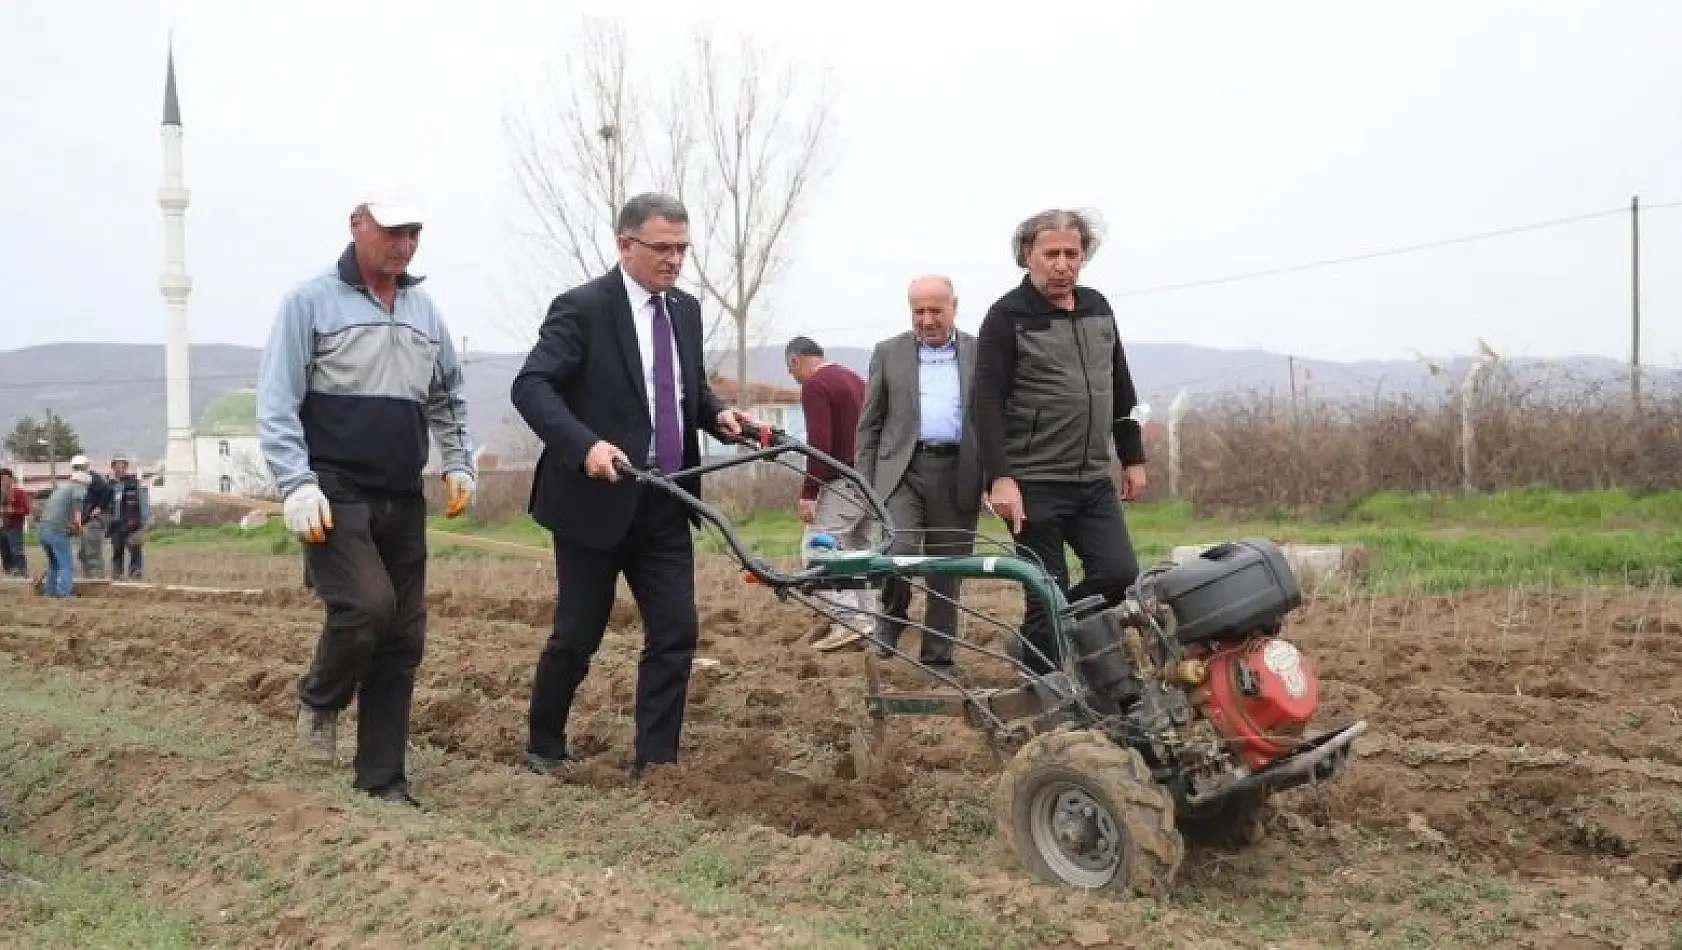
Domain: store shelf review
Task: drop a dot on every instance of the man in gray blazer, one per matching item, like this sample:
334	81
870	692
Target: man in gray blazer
917	449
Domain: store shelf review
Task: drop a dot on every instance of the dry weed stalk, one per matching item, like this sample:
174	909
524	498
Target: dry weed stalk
1250	452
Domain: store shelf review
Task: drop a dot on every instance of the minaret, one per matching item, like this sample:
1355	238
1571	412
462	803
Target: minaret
180	476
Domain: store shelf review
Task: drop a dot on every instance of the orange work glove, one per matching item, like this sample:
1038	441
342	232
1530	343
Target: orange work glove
458	493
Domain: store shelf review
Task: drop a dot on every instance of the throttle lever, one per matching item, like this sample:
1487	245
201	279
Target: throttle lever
756	433
1086	607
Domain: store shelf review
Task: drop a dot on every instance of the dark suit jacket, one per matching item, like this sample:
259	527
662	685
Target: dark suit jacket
583	382
891	420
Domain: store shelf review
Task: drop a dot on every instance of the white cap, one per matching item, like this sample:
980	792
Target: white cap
79	461
394	211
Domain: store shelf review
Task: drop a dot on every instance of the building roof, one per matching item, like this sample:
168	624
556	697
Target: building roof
172	107
759	394
38	477
230	414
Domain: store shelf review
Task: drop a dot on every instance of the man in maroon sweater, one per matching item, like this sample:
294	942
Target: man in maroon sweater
830	397
14	511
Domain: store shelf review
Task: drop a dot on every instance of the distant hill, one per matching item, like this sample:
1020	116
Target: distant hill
114	393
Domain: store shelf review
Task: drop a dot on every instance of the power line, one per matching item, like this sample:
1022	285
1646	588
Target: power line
1386	252
1224	374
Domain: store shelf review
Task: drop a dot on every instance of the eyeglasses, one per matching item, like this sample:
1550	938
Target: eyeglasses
663	250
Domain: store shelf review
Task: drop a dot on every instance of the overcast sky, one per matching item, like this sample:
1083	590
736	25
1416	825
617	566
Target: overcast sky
1216	139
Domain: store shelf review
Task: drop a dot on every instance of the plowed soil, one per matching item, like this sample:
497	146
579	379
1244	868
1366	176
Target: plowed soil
1528	737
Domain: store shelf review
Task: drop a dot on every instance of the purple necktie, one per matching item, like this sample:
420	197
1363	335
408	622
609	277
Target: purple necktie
668	431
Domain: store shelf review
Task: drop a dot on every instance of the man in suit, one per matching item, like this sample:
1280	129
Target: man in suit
916	448
616	376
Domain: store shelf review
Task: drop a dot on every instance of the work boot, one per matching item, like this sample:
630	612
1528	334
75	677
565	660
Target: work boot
318	734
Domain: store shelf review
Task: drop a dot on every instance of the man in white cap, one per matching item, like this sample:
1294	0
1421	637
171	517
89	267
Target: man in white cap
358	369
59	518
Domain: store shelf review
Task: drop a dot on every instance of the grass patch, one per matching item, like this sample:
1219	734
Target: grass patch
48	905
271	537
925	925
1538	507
1415	561
1429	543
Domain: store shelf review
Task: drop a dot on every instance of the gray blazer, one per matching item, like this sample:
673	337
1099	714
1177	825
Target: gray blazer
891	418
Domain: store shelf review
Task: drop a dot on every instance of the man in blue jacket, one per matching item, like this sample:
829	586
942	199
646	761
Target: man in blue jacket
357	371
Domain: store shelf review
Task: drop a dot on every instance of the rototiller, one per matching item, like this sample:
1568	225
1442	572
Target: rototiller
1174	714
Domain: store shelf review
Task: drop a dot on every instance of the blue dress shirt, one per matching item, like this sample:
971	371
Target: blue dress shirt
939	392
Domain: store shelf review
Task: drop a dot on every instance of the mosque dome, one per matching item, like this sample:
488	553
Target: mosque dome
230	414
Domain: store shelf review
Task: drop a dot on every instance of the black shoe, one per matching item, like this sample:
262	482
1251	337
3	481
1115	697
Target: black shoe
946	667
395	795
545	765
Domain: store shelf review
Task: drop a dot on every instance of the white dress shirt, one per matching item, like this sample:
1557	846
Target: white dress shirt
642	319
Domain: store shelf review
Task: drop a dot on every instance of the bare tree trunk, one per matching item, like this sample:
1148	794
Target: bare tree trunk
747	142
742	399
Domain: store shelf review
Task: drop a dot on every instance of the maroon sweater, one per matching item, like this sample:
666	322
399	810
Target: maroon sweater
14	508
831	399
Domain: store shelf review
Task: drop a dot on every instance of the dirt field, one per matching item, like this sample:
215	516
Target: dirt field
1522	785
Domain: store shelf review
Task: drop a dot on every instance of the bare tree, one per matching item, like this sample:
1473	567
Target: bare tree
251	476
575	147
742	144
520	446
746	140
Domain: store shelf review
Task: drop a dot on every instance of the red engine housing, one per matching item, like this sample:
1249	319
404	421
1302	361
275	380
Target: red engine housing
1259	695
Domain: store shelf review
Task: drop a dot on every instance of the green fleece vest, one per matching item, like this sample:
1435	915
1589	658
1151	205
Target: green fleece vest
1062	403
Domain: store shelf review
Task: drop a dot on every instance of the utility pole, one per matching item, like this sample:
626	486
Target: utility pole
1291	361
52	449
1635	302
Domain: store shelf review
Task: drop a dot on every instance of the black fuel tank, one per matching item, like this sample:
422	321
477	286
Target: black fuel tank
1230	590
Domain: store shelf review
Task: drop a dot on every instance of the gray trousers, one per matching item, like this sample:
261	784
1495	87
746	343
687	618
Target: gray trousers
929	520
844	514
91	551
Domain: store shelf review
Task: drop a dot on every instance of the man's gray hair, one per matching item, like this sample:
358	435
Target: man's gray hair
650	204
1084	223
802	346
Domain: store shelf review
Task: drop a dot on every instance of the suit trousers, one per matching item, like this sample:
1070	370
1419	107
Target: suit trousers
657	558
928	519
370	574
1087	517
